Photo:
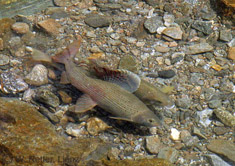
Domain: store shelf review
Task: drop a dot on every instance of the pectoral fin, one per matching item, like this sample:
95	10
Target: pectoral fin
84	103
124	78
121	118
64	79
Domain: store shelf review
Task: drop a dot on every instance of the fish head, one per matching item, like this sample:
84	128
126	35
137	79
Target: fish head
148	119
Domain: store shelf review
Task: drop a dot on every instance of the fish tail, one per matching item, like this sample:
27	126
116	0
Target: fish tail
69	52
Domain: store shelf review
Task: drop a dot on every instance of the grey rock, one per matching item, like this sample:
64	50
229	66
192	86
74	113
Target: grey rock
232	43
169	154
183	102
47	97
128	62
221	130
153	2
153	23
177	59
168	19
198	48
209	93
225	35
153	144
166	73
204	117
197	132
225	116
173	32
190	141
95	20
12	82
203	26
109	6
215	103
4	60
38	75
223	147
52	117
216	160
208	16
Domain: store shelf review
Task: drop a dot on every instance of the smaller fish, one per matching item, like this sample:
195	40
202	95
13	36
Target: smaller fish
145	91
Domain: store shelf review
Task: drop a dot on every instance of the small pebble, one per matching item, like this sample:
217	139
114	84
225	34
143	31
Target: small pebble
153	23
47	97
65	97
204	117
173	32
153	144
231	53
37	76
175	134
166	73
50	26
96	20
169	154
226	117
95	125
4	60
162	49
76	130
20	27
199	48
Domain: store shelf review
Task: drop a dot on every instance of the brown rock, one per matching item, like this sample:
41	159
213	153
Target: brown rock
24	133
1	44
231	53
153	144
50	26
65	97
223	147
96	125
5	25
20	27
162	49
173	32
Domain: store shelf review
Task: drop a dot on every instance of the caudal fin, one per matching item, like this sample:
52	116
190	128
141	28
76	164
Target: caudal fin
69	52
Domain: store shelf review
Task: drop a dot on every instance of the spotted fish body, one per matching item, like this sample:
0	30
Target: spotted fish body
109	96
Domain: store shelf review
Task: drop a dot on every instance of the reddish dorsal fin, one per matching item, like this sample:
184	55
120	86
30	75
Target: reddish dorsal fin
124	78
84	103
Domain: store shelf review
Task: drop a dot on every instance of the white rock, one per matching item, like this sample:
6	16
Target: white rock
204	117
175	134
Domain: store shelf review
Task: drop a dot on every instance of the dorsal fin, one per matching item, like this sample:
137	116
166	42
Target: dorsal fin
124	78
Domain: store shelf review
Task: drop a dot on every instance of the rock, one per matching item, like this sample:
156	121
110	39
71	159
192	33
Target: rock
1	44
65	97
78	3
173	32
231	53
91	34
138	162
12	83
225	35
153	23
47	97
95	20
232	43
168	19
215	160
169	154
184	134
28	95
56	12
183	102
5	25
76	130
175	134
221	130
51	116
37	76
203	26
20	27
226	117
198	48
166	73
34	136
162	49
204	117
4	60
153	144
50	26
215	103
109	6
131	40
153	2
197	132
128	62
95	126
223	147
190	141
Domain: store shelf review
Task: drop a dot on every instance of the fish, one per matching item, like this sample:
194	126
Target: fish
146	92
111	97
